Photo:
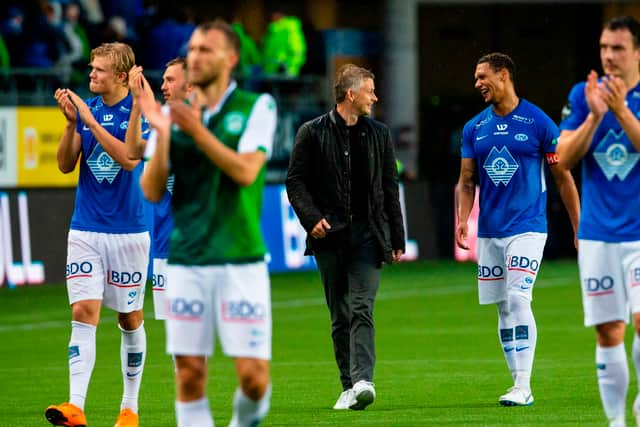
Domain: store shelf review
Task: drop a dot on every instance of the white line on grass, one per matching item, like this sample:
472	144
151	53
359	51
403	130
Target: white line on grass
406	293
312	302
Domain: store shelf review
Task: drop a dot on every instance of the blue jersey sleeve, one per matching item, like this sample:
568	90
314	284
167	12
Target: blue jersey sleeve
575	110
549	133
467	151
144	128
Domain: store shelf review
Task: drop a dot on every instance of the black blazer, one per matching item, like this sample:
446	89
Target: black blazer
319	185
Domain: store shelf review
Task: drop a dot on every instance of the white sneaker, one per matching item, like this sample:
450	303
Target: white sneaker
363	395
345	400
517	396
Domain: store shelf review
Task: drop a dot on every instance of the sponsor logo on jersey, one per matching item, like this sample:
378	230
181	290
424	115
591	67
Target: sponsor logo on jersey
525	120
132	297
79	269
243	311
597	286
158	282
124	279
522	263
124	124
134	360
521	137
234	123
500	166
184	309
74	351
107	117
522	332
614	155
483	122
124	109
486	272
635	277
501	129
481	137
506	335
102	165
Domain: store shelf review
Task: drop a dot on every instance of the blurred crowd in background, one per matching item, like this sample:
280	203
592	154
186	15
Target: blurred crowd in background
58	35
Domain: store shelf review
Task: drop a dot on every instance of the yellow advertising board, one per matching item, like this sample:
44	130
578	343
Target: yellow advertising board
38	133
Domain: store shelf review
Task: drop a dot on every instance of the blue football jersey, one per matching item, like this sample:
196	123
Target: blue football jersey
610	173
162	223
510	154
108	198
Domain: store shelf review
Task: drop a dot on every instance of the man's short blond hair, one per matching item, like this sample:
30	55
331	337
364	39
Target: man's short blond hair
349	76
120	55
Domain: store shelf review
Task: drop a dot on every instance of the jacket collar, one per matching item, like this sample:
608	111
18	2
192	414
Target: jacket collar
336	118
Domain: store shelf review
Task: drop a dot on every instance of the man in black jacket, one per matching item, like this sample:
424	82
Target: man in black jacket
343	185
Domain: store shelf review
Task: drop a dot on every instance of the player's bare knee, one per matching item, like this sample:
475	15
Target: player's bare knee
253	376
86	312
610	334
130	321
191	375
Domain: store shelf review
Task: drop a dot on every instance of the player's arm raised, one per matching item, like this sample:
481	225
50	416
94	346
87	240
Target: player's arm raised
574	144
465	196
614	92
241	167
112	145
70	142
133	140
154	176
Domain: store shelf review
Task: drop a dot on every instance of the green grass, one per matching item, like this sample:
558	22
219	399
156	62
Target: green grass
439	361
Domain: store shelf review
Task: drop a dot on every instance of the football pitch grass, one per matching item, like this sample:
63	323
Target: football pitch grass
439	361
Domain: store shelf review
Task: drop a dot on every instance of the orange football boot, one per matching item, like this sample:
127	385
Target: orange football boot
65	414
127	418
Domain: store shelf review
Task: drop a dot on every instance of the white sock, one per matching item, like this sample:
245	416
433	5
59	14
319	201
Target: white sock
133	350
526	338
505	334
82	358
194	414
247	412
613	379
635	355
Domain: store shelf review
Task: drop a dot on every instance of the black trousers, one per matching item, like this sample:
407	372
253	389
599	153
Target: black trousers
350	273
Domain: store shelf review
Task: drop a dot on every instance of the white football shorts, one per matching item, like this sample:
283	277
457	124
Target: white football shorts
232	300
610	280
108	267
508	264
159	286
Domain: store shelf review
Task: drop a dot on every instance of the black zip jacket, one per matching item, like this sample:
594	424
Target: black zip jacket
319	185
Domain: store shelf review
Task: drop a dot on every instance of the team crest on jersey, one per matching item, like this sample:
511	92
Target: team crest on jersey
234	122
102	165
613	156
500	166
